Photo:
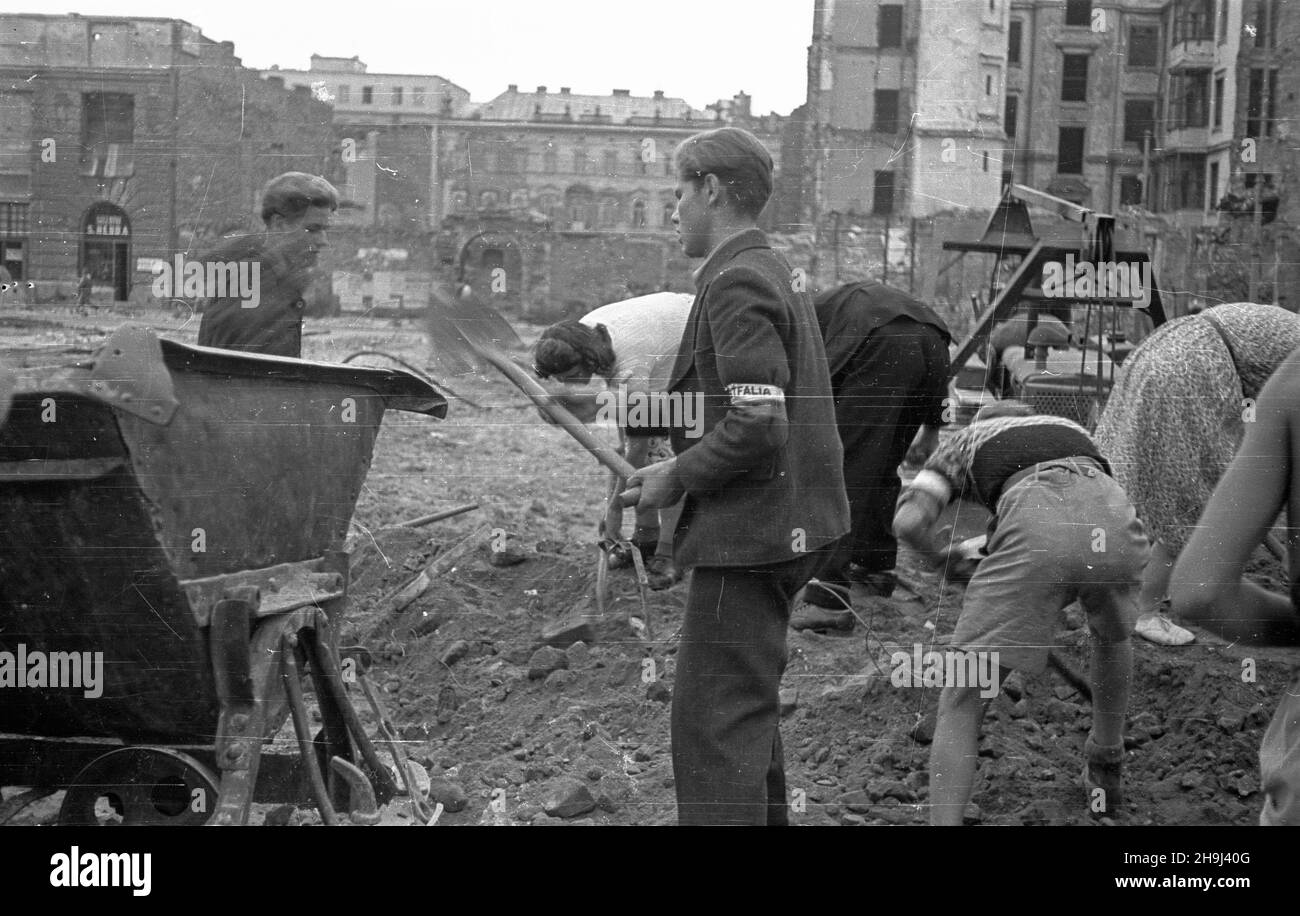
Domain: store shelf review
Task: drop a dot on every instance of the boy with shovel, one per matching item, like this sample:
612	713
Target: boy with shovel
764	484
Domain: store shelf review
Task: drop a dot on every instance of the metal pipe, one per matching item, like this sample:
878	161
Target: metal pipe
439	516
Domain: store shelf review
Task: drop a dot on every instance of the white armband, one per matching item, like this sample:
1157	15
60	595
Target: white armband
933	484
752	395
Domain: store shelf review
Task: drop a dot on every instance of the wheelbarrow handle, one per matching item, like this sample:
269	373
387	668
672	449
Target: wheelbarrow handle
603	453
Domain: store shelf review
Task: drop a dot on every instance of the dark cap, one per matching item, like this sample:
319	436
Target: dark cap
292	193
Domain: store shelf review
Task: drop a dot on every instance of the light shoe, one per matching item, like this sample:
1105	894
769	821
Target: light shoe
1162	631
819	619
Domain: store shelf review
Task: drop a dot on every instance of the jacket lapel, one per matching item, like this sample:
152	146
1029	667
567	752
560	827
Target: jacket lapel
686	349
750	238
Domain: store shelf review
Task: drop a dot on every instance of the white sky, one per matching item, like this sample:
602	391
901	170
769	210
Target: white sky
700	50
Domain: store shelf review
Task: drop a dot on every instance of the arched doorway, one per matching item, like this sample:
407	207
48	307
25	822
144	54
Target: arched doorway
492	264
106	248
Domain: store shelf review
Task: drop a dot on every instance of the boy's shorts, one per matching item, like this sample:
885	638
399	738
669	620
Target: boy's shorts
1065	531
1279	763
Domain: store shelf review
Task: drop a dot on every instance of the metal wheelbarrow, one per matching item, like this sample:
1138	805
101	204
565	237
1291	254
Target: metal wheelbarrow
171	572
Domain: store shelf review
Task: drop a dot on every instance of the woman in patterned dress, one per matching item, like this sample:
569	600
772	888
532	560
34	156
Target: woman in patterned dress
1174	420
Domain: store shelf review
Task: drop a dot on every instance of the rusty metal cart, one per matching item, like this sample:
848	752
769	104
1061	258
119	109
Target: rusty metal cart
182	511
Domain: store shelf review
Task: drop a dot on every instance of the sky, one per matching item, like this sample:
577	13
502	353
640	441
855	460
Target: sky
699	50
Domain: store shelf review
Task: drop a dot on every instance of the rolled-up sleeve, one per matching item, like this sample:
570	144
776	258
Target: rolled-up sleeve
744	313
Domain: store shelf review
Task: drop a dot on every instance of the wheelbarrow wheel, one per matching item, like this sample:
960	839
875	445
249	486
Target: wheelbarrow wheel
140	786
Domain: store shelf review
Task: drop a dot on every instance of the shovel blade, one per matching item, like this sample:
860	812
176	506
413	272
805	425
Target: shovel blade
461	328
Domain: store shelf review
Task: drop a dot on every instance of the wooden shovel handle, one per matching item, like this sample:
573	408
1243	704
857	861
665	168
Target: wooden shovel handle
571	424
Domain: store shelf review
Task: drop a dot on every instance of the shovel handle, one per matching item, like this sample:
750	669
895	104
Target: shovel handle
571	424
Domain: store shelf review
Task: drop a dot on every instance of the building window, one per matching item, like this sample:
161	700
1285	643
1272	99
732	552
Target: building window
506	160
1014	31
1189	184
1069	151
397	95
1194	21
344	95
1266	14
1074	78
882	200
580	162
1190	93
1261	184
489	200
417	96
1221	30
1218	102
1010	114
886	111
611	163
1130	191
638	214
107	134
13	232
1008	177
550	161
1258	115
1213	187
889	26
1078	12
668	167
459	201
667	220
1139	119
367	95
1143	45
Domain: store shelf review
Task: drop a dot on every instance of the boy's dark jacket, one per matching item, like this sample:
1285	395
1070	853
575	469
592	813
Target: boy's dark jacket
765	481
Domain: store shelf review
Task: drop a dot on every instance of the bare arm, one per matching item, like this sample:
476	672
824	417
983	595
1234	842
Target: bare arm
1207	584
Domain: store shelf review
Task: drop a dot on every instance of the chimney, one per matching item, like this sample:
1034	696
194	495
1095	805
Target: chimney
623	93
564	90
541	90
659	95
513	87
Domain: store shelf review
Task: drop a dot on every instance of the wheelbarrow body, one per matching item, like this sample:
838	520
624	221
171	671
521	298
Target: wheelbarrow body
169	517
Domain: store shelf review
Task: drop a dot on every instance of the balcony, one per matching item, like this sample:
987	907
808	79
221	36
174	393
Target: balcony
1192	43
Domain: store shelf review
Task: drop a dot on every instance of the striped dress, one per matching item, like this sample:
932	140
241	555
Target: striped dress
1174	418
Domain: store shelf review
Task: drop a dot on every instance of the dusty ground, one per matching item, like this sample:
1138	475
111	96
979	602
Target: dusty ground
507	732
